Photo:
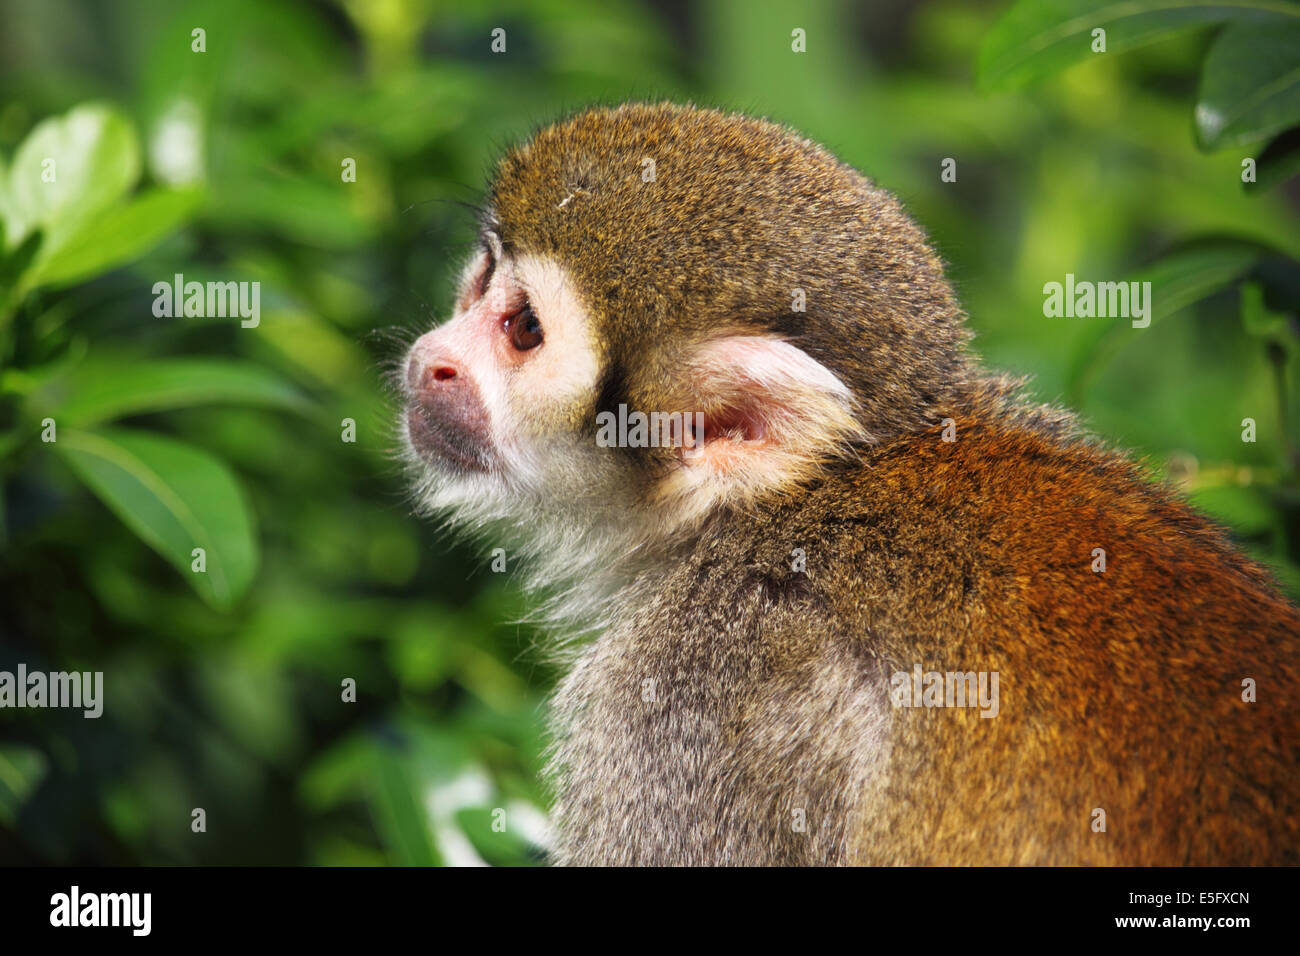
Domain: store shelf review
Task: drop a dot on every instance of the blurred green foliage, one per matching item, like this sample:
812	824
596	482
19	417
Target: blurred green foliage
224	688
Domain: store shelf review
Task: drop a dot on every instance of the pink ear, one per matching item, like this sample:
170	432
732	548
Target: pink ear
771	414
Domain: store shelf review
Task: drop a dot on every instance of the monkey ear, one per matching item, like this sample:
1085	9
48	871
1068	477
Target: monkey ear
770	415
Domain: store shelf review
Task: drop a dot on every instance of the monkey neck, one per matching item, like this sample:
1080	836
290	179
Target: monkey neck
596	562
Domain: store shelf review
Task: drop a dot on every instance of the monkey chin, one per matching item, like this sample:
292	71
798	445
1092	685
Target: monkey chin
442	446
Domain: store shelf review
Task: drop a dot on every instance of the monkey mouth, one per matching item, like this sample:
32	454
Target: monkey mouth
444	445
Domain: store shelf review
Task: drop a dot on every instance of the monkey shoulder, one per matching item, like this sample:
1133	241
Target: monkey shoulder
1020	519
1018	536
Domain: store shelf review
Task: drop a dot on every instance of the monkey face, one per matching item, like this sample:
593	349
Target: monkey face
505	373
495	399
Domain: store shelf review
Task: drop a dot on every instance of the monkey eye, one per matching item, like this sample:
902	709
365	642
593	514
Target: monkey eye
524	330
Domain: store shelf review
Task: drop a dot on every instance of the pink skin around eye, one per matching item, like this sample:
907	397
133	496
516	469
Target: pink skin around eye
489	311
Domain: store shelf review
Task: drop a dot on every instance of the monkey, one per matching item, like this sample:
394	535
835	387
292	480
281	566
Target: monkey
761	621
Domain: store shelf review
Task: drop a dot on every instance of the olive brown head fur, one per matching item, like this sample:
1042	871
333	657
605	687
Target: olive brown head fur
755	591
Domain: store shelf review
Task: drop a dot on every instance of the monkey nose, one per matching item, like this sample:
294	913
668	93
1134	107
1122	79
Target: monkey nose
423	373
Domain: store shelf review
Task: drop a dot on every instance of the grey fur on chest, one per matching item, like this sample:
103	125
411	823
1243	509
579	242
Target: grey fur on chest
702	745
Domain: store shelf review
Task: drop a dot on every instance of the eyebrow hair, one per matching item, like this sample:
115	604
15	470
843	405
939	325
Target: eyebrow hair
490	239
490	235
489	226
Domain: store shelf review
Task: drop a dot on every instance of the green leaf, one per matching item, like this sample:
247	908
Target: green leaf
21	771
115	386
116	237
1250	84
401	821
93	158
506	847
176	498
13	267
1181	279
303	209
1262	322
1279	161
1036	38
5	214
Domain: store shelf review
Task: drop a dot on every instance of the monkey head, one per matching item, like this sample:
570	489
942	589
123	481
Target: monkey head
667	259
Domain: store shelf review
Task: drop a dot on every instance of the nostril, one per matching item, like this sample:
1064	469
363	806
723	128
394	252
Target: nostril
437	374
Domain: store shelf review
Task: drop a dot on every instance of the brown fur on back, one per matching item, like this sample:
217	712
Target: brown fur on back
1120	690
